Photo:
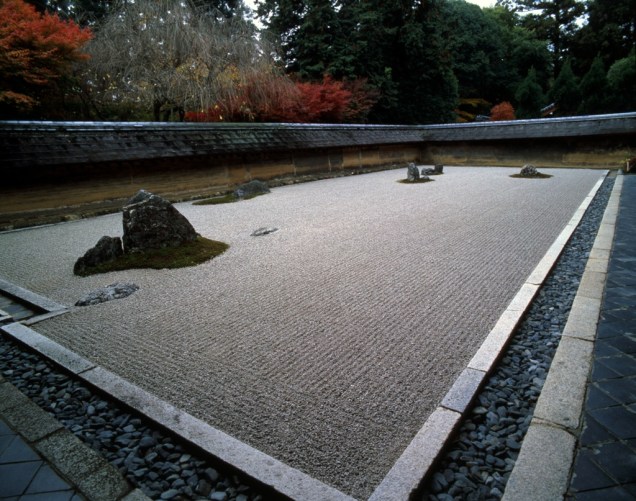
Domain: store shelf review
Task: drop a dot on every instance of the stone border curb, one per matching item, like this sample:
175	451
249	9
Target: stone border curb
51	308
411	469
542	470
257	465
81	467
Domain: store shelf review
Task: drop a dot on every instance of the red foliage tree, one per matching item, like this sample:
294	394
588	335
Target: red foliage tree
322	102
502	111
279	100
36	52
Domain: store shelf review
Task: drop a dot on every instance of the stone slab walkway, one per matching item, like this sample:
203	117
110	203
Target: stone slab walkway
328	343
605	466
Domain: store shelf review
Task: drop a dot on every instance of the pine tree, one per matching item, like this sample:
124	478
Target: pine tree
529	96
565	91
594	89
621	78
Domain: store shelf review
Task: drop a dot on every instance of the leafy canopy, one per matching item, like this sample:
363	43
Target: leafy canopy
36	52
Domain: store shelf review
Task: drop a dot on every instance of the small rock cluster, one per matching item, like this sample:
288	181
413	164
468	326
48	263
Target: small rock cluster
150	222
435	171
113	291
529	171
412	173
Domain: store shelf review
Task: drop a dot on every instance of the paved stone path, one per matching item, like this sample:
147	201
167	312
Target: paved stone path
25	475
605	465
328	343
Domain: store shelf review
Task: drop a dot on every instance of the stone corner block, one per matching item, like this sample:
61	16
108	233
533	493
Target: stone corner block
69	455
105	484
563	394
524	297
592	284
583	318
408	472
494	344
542	470
463	391
25	416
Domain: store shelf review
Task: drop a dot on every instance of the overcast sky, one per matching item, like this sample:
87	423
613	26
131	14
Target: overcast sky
483	3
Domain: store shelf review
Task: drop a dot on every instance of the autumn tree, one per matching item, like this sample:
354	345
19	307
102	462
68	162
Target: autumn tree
502	111
159	58
36	55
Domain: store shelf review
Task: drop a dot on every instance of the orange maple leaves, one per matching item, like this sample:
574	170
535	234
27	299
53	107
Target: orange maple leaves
36	50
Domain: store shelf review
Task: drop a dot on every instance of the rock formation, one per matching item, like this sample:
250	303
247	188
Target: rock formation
107	249
151	222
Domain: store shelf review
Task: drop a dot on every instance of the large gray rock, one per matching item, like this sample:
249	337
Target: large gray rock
252	188
412	173
113	291
107	249
151	222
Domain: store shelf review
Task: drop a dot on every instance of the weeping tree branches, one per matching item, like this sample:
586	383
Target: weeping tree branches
167	57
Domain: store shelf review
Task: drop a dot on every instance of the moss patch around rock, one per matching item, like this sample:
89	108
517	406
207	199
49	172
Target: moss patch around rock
225	199
538	176
191	254
417	181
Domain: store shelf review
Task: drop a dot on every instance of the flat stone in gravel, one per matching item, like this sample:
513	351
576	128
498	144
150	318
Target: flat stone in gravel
306	344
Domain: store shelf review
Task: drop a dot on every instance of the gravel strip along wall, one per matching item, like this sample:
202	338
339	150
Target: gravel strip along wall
328	343
478	463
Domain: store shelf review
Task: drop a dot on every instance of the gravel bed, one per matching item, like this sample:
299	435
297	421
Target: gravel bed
482	456
156	462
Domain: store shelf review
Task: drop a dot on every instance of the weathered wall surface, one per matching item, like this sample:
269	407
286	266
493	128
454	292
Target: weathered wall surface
54	164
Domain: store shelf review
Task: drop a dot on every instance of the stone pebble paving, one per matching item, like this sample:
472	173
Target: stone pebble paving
478	463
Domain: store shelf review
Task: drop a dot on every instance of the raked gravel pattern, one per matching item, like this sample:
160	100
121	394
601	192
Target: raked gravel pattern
328	343
477	465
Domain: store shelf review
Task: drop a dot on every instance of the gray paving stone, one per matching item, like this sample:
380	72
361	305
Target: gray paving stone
563	394
104	484
17	477
543	466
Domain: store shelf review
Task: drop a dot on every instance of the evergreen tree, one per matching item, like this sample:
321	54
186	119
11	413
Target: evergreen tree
477	46
552	20
522	51
594	89
565	91
529	96
610	32
317	40
427	86
621	78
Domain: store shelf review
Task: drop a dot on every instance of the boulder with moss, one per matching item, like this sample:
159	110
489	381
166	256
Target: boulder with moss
151	222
